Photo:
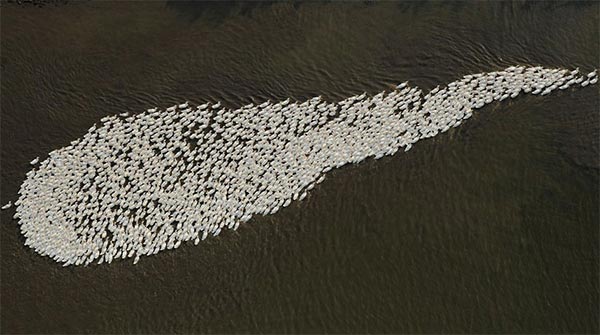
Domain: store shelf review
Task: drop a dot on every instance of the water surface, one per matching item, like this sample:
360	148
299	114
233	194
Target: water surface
490	227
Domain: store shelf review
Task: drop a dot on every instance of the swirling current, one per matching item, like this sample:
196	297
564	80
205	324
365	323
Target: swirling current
135	185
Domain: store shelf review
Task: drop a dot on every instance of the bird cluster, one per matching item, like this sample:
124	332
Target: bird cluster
136	185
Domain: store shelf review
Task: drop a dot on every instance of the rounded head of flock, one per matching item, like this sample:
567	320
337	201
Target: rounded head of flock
133	186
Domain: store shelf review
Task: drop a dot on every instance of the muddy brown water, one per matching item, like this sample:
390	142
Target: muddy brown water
492	227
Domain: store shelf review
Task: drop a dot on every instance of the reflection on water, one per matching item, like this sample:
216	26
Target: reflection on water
490	227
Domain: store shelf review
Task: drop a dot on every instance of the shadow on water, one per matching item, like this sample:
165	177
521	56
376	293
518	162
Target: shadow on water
215	12
218	11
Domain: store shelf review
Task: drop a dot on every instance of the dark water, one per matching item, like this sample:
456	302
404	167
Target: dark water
492	227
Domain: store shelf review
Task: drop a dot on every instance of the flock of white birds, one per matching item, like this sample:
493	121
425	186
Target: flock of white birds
135	185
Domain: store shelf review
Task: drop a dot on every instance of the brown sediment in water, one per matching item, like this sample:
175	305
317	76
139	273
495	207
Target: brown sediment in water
491	227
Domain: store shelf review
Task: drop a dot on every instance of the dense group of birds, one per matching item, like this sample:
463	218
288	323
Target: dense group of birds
138	184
